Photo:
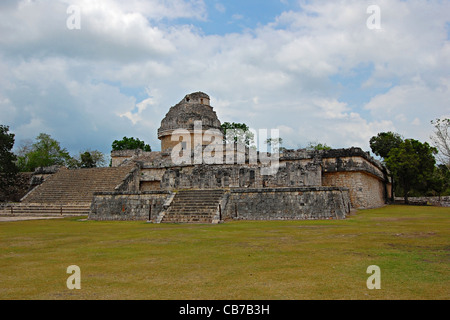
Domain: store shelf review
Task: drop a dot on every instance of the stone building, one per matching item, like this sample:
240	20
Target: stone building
306	184
197	178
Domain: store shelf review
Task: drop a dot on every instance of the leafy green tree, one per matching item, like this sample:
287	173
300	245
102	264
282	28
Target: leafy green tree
385	142
276	143
7	157
95	157
88	159
381	145
130	144
317	146
412	164
8	168
44	152
237	133
439	183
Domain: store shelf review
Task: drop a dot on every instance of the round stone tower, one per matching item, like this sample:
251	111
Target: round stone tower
184	115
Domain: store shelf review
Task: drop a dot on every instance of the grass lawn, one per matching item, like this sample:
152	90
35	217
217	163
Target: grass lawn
323	259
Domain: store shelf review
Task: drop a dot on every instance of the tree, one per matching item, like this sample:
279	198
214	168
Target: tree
130	144
381	145
276	144
441	140
44	152
94	158
88	159
7	157
440	180
385	142
412	164
237	133
8	168
317	146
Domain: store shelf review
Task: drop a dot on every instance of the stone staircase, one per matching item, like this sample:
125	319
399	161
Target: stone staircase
43	210
194	206
67	192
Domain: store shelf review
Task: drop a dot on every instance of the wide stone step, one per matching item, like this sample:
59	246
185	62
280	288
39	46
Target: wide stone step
199	198
190	209
197	193
191	212
188	219
194	206
44	210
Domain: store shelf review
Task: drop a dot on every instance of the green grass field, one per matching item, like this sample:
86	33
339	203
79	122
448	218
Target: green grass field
324	259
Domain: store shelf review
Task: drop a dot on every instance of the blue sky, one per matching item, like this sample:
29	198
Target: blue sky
312	69
236	16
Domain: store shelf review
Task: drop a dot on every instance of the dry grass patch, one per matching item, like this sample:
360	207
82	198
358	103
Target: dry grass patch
236	260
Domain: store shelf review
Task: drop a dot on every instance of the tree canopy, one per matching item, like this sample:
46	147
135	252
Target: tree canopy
412	164
381	145
7	157
385	142
237	133
130	144
8	168
88	159
275	144
44	152
439	182
317	146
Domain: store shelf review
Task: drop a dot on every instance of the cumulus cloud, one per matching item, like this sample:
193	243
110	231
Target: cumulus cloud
130	61
413	106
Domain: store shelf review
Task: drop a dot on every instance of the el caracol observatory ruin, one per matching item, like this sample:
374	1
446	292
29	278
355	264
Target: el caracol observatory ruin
194	180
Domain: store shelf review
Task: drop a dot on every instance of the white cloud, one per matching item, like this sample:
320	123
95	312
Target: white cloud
237	16
220	7
412	104
331	109
278	75
150	9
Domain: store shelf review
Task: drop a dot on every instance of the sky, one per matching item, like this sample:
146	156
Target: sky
89	72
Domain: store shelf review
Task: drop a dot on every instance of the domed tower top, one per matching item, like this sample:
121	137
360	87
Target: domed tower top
197	98
193	107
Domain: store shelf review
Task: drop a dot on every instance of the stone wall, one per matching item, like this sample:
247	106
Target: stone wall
366	191
127	205
354	169
290	173
288	203
118	157
40	174
443	201
365	178
131	182
351	164
343	159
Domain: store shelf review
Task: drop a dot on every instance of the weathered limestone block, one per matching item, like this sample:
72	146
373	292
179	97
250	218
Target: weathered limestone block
295	203
127	205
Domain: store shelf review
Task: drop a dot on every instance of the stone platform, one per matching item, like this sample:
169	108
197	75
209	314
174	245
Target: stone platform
213	206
